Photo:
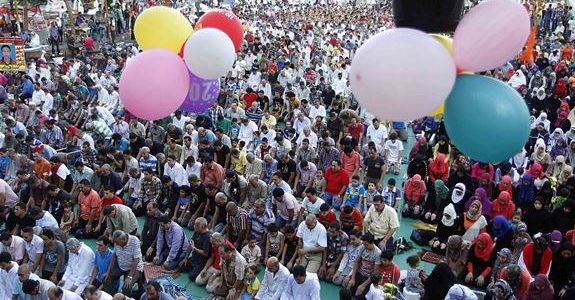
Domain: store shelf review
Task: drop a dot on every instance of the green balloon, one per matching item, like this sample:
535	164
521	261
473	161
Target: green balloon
486	119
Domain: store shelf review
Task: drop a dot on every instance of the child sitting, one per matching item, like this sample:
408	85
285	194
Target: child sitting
326	215
353	193
275	242
67	218
413	282
376	288
182	205
252	252
319	183
368	197
251	283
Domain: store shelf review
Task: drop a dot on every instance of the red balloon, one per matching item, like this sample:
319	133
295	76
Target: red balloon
225	21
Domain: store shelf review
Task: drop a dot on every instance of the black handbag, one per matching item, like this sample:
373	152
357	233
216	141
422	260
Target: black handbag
422	237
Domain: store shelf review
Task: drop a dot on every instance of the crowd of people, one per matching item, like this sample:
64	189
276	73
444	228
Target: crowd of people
285	172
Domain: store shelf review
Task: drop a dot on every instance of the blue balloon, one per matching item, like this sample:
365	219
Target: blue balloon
486	119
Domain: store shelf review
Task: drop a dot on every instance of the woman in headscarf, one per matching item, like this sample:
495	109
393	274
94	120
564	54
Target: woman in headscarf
517	279
540	289
500	290
414	196
562	113
460	292
486	183
571	152
461	175
502	233
418	165
537	216
435	202
565	174
543	119
563	267
561	88
442	146
504	169
460	161
503	206
422	148
556	167
438	282
520	239
481	195
474	222
525	191
536	171
536	257
457	195
481	259
518	79
505	185
503	260
559	149
539	155
480	168
438	169
555	136
456	255
451	224
563	219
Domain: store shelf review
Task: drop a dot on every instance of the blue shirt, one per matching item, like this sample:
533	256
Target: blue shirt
174	239
4	165
102	263
122	145
353	194
27	87
398	125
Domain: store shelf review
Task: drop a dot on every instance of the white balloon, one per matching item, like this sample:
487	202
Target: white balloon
401	74
209	53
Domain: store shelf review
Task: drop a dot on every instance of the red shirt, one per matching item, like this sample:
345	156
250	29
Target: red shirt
355	131
350	163
217	257
326	219
389	274
72	130
249	98
108	202
334	182
89	43
352	220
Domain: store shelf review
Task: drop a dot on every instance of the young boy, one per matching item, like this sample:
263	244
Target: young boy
274	243
354	192
319	183
234	129
326	215
368	197
393	152
252	252
391	194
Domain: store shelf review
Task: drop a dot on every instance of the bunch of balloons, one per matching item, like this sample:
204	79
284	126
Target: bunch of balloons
179	68
404	74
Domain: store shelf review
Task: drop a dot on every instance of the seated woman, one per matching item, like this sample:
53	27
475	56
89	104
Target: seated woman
414	196
506	184
525	191
487	184
503	260
502	233
438	282
435	202
481	260
456	255
503	206
481	195
458	194
536	257
537	217
451	224
474	222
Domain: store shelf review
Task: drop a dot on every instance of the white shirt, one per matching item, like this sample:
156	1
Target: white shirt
319	111
247	131
375	293
309	290
38	96
378	135
34	248
317	237
392	149
47	220
17	287
71	295
312	138
136	185
177	173
7	281
17	248
187	152
48	104
79	269
194	170
273	284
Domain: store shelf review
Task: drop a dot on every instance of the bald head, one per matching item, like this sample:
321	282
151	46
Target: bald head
272	264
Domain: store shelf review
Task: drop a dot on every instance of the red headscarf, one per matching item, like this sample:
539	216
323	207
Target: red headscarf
415	193
506	210
485	183
484	253
506	184
438	169
536	171
561	88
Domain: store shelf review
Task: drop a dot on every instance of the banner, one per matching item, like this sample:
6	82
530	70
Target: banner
12	54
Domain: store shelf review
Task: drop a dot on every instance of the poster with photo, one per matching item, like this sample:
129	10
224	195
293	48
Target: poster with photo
12	54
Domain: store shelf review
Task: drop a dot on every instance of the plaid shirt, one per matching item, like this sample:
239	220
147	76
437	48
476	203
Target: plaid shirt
336	246
239	222
215	112
89	158
151	190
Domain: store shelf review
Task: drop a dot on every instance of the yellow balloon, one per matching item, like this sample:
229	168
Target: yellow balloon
438	111
446	41
162	27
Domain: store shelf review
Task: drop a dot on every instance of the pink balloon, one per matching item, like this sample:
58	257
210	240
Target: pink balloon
490	34
401	74
154	84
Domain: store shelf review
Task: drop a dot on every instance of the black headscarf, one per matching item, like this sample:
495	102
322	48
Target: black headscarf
439	282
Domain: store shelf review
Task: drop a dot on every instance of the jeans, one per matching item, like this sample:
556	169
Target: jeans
328	198
174	263
281	222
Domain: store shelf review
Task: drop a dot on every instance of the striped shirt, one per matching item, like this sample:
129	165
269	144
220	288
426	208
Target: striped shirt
260	223
151	190
239	221
126	255
151	162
